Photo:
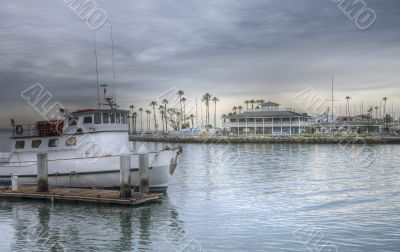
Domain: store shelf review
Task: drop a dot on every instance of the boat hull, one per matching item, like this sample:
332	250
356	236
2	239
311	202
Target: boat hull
101	173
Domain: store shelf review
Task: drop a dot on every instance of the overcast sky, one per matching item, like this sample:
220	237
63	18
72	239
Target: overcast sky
234	49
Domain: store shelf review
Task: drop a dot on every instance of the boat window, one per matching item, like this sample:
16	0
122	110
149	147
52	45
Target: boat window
88	119
71	141
118	120
73	121
123	118
106	118
112	118
97	118
53	143
36	144
19	144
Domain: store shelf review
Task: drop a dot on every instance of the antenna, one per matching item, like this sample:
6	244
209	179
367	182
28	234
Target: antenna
112	48
97	70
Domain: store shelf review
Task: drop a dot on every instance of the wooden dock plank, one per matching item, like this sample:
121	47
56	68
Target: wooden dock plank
80	195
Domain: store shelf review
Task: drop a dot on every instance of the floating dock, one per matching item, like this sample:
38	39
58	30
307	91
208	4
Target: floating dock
80	196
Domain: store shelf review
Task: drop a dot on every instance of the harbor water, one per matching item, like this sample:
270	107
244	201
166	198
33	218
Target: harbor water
242	197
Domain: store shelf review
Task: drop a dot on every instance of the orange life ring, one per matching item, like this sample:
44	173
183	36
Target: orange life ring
19	129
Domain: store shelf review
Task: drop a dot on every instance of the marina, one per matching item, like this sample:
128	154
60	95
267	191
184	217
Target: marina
194	126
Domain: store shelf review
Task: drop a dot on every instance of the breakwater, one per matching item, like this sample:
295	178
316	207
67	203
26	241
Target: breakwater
311	139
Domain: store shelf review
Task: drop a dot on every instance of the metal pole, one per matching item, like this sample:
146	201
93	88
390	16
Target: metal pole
42	173
143	170
125	176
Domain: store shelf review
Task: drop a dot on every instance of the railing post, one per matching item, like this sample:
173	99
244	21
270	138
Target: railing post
143	170
125	176
42	173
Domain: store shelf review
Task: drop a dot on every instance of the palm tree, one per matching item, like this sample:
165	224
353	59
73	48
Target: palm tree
384	99
183	100
261	102
134	116
141	118
153	104
348	98
180	93
148	112
247	104
131	107
161	109
215	100
252	104
206	99
234	109
376	111
240	108
191	117
165	102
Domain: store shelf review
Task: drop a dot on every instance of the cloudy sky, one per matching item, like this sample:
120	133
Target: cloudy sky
234	49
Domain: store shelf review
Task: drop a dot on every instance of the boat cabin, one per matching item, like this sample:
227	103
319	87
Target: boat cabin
64	133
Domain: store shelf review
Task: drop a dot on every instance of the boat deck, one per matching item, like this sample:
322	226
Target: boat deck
79	196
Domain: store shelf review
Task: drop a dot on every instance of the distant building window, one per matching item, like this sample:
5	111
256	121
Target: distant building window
106	118
36	144
19	144
123	118
71	141
53	143
118	118
97	118
232	120
259	120
88	119
73	121
112	118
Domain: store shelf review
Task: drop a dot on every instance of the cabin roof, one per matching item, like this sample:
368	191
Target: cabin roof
92	111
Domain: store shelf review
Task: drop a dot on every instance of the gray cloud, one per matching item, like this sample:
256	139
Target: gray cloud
232	48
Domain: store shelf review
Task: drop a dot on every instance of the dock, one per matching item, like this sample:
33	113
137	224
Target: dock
78	195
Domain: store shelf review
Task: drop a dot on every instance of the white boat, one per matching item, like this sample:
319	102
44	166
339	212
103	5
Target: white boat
83	151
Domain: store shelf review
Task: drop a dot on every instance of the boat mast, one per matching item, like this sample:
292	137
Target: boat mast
113	60
97	70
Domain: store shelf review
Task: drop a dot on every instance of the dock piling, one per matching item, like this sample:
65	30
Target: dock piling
143	170
125	176
42	173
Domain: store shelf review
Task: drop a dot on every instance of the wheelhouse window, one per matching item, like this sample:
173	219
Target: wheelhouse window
118	118
112	118
53	143
71	141
36	144
88	120
97	118
106	118
19	144
73	121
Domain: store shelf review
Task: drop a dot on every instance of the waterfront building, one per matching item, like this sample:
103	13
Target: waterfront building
268	119
353	124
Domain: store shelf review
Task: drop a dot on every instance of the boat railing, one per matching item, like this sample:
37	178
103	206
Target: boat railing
26	130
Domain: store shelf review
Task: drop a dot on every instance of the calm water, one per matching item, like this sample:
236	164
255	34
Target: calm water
236	198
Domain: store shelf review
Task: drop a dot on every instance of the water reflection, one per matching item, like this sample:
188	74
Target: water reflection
41	227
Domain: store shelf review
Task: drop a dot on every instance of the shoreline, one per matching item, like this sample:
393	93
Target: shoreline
269	139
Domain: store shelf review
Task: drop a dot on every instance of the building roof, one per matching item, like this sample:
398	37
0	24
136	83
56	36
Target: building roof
270	104
268	113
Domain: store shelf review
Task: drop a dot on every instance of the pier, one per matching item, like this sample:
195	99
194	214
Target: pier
125	196
79	196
